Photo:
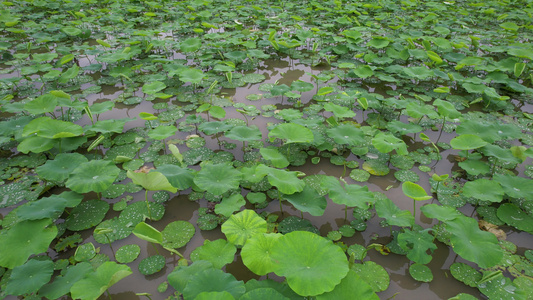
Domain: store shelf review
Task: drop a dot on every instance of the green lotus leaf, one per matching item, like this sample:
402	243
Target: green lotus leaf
349	195
417	244
218	178
486	131
521	52
480	247
148	233
191	45
211	128
229	205
182	275
243	225
86	215
511	26
298	256
420	272
414	191
162	132
244	133
446	109
394	216
403	128
236	55
46	127
351	287
467	142
256	253
279	90
289	114
363	71
153	87
308	201
345	134
501	287
326	90
218	252
85	252
62	284
475	167
359	175
215	296
465	273
373	274
406	175
109	126
386	142
127	253
93	176
191	75
484	189
286	182
49	207
42	104
272	154
292	223
69	74
514	216
420	73
61	166
180	178
253	78
213	280
97	282
152	264
514	186
72	31
29	277
378	42
441	213
152	181
263	294
115	229
301	86
177	234
292	133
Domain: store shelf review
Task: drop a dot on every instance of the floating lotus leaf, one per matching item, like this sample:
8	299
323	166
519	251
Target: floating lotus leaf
467	142
301	86
162	132
417	244
347	230
153	87
214	127
62	284
339	111
308	201
349	195
244	133
373	274
218	178
177	234
345	134
278	90
191	45
514	186
138	212
229	205
92	176
378	42
289	114
406	175
414	191
359	175
503	155
218	252
86	215
263	294
152	264
376	167
85	252
385	208
97	282
256	253
298	256
472	244
213	280
243	225
253	78
292	223
420	272
127	253
484	189
236	55
152	181
501	287
486	131
351	287
115	230
465	273
514	216
287	182
191	75
207	222
292	133
180	178
29	277
72	31
403	128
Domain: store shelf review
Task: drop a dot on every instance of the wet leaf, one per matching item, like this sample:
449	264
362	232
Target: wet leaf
373	274
420	273
218	178
213	280
86	215
92	176
465	273
177	234
29	277
127	253
152	264
243	225
97	282
218	252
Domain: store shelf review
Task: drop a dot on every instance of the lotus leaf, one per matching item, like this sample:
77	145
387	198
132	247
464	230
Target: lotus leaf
475	167
359	175
406	175
62	284
153	87
467	142
85	252
191	75
292	133
86	215
148	233
191	45
263	294
287	182
207	222
152	264
349	195
213	280
244	133
72	31
417	243
229	205
92	176
97	282
292	223
501	287
465	273
298	257
420	272
514	186
215	296
218	252
181	275
177	234
127	253
414	191
277	159
152	181
385	143
256	253
42	104
394	216
514	216
180	178
50	207
441	213
351	287
472	244
446	109
218	178
109	126
253	78
484	189
46	127
301	86
118	230
29	277
373	274
162	132
345	134
242	226
420	73
308	201
138	211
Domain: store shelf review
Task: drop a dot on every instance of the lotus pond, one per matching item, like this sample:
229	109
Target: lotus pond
208	149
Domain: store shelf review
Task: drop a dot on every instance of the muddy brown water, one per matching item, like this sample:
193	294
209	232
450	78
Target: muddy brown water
402	286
